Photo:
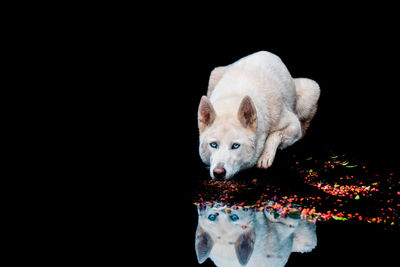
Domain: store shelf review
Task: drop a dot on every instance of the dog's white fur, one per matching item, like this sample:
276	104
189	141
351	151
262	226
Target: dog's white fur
255	239
256	103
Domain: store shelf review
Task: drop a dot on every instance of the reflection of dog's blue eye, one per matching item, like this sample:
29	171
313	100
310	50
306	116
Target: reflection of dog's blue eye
234	217
213	145
212	217
235	146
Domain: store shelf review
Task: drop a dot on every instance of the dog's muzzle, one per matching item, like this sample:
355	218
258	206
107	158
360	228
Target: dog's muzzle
219	173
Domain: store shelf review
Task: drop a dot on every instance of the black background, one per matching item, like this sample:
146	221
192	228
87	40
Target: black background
357	115
154	79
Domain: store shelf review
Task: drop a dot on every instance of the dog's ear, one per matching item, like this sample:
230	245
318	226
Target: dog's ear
244	246
206	114
247	113
203	244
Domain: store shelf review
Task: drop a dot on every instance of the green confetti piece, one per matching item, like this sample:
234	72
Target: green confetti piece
334	157
357	197
351	166
339	218
310	158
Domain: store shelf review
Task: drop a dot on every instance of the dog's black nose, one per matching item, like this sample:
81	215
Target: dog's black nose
219	173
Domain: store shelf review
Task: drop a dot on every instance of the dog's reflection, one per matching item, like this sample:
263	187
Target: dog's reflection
238	237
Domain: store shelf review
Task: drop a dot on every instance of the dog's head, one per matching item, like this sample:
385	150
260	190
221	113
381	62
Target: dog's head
229	231
227	143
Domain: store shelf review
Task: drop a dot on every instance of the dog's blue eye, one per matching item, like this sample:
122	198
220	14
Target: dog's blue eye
234	217
213	145
235	146
212	217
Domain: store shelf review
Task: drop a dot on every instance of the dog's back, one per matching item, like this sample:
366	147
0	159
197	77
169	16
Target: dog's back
263	77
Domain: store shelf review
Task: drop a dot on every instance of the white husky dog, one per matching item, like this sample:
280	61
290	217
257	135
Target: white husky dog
252	107
252	238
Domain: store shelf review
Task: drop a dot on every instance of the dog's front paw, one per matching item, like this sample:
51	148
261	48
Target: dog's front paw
265	161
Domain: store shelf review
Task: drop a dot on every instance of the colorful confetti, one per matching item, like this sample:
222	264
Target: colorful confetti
332	188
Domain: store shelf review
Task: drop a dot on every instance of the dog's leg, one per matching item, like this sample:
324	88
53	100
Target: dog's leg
282	139
307	95
292	133
270	147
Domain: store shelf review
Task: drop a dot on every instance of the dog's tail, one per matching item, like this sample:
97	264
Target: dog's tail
307	95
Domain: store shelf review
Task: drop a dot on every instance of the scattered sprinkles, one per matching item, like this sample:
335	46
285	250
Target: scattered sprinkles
334	188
